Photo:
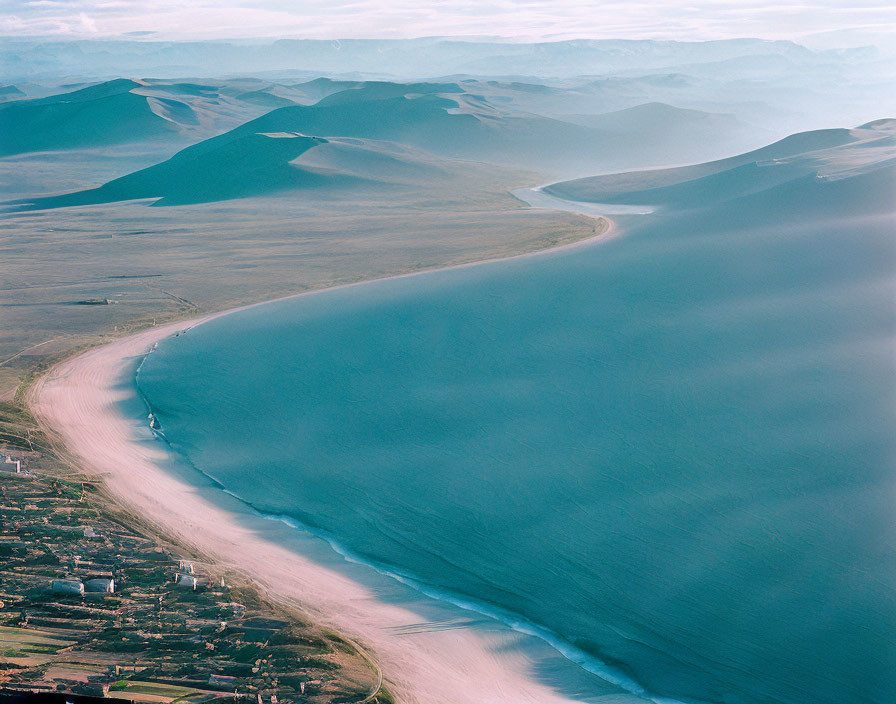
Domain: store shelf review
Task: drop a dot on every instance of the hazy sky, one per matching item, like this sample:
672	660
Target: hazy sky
527	19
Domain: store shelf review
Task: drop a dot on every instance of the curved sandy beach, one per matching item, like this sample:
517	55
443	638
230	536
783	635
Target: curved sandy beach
430	651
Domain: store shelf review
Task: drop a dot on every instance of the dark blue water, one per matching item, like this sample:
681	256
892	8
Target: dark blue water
674	449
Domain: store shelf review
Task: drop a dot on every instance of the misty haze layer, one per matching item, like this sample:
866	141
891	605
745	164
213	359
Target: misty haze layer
779	84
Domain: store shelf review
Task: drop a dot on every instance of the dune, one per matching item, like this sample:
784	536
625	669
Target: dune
443	118
819	153
124	111
473	120
508	123
181	88
439	118
423	121
373	161
102	115
587	96
254	164
10	93
583	100
264	163
94	91
265	99
173	110
382	90
321	87
862	192
202	110
246	161
673	134
644	117
671	124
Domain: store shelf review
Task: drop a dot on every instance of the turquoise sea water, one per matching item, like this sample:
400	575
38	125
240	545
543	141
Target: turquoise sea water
674	449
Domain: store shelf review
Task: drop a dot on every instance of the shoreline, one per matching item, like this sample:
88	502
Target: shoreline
431	650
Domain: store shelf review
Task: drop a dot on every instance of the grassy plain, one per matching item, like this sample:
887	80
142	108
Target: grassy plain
74	277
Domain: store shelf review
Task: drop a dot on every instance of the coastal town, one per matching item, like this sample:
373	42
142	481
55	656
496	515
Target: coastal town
92	604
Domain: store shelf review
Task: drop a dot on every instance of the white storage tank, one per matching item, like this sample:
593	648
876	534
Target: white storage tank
100	585
67	586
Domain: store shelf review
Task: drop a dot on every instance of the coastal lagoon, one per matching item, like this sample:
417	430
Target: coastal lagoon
672	450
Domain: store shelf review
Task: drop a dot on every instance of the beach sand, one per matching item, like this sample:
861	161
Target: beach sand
430	651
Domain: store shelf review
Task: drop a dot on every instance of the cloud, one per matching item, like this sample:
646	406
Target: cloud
87	24
526	19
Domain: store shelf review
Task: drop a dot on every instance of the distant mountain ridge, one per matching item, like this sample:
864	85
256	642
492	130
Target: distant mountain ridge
778	85
398	57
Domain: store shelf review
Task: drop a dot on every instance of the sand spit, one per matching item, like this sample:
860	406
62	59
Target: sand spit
431	651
